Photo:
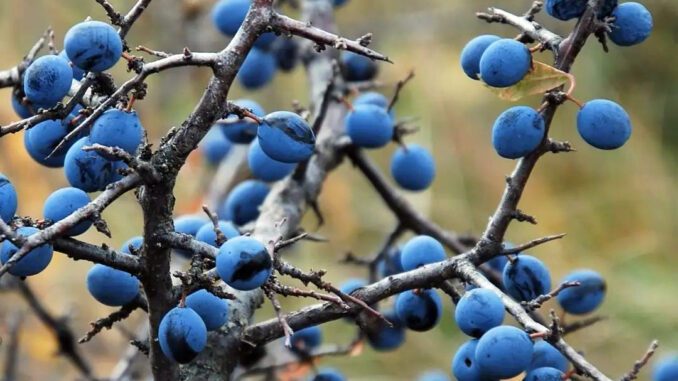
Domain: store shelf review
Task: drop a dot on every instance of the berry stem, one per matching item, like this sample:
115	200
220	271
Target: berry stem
574	100
130	103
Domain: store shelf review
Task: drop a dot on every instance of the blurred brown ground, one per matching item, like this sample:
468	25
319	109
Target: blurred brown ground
619	208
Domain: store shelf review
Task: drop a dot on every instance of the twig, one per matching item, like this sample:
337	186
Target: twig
638	365
537	302
107	322
279	314
581	324
525	24
531	244
221	238
399	86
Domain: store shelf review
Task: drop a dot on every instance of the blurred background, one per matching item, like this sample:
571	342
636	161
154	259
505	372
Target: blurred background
619	208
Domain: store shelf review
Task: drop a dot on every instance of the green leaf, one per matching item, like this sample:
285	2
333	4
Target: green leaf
539	80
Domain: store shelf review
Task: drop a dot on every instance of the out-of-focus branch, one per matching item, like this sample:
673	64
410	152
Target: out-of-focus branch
14	322
59	328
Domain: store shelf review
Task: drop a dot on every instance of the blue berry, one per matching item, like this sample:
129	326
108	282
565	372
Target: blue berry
244	263
421	250
23	111
263	167
47	80
182	335
228	15
433	375
212	309
118	128
328	374
188	224
93	46
34	262
603	124
207	235
369	126
286	53
372	98
504	63
478	311
545	355
358	68
586	297
77	72
391	264
413	167
504	352
242	131
286	137
352	284
566	9
110	286
666	369
215	147
498	263
134	242
304	340
526	278
464	365
474	49
544	374
43	138
62	203
632	25
242	203
88	170
8	199
385	338
257	70
517	132
420	310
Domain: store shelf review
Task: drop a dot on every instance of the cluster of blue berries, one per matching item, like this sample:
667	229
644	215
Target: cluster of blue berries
272	52
502	62
632	21
90	46
370	125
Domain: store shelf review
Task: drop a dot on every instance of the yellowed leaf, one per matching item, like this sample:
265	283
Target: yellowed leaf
539	80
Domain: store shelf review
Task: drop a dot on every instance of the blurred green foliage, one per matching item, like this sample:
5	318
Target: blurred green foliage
619	208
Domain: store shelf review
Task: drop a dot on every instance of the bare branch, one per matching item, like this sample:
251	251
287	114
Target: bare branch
525	24
322	38
107	322
537	302
399	86
638	365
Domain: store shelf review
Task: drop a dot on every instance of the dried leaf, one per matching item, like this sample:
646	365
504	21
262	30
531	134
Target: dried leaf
539	80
